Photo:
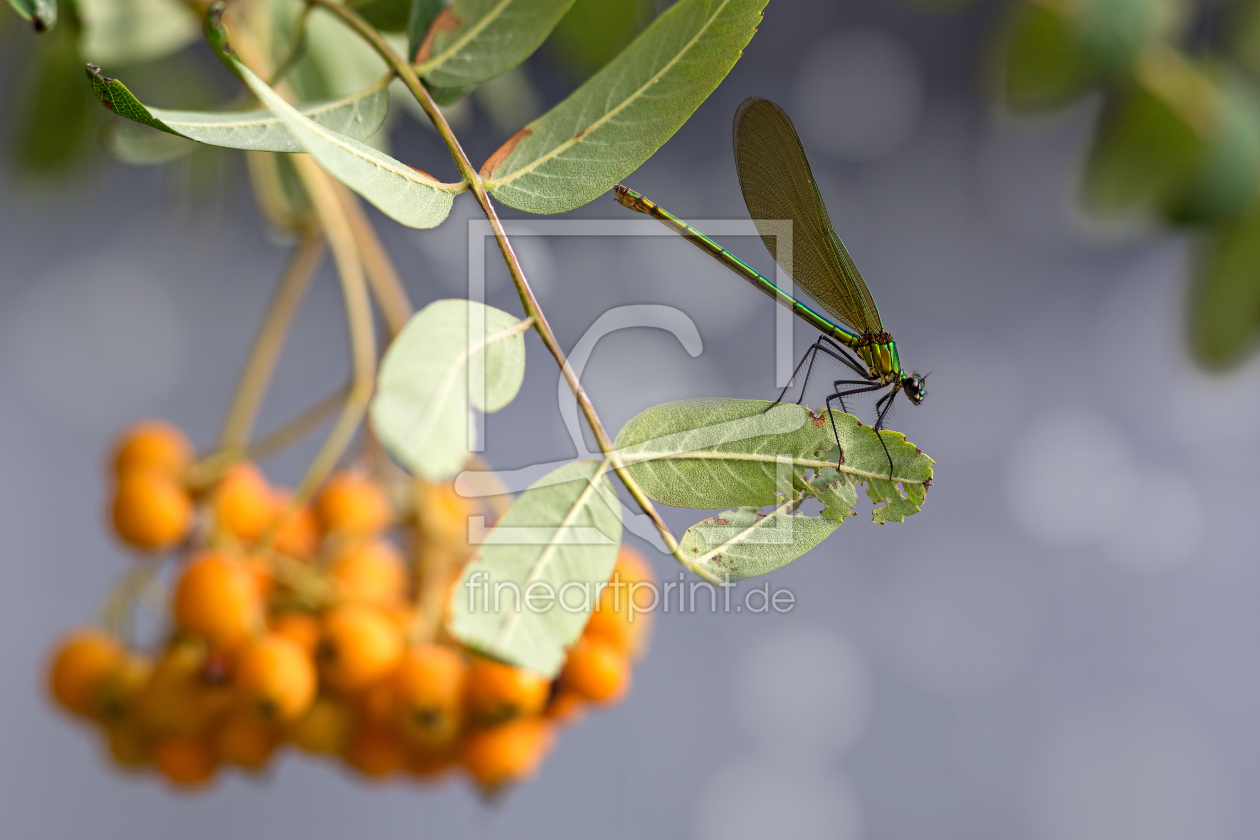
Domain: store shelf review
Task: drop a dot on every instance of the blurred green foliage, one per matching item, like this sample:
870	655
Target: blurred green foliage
1178	139
593	31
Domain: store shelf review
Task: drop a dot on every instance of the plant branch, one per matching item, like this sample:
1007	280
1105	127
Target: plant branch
261	365
388	290
528	300
332	216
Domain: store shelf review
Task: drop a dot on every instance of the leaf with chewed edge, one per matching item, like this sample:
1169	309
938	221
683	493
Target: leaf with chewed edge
358	117
529	591
605	129
407	195
718	453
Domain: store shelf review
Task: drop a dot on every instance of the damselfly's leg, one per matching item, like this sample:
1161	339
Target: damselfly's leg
832	349
840	382
840	395
879	423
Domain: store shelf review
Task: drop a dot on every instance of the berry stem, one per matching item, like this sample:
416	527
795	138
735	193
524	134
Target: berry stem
269	342
391	295
333	218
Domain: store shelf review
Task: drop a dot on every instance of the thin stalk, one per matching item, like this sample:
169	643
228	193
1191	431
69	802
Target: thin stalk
261	365
299	427
528	300
336	225
387	288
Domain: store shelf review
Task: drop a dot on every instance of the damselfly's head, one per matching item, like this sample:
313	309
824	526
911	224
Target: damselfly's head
915	387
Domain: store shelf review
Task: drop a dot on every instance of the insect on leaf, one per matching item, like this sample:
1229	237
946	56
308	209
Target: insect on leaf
719	453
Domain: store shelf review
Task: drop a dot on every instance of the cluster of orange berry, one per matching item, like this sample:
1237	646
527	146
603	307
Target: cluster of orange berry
305	625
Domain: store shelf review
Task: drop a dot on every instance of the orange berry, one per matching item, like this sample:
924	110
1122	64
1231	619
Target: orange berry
352	503
507	753
612	619
81	663
275	678
129	745
245	740
597	671
119	693
375	704
566	707
151	510
325	727
372	572
428	694
217	598
498	692
264	575
297	531
185	761
186	693
375	752
444	515
358	645
152	444
243	502
299	627
429	764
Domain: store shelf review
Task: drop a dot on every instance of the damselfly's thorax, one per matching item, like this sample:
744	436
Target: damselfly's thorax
879	351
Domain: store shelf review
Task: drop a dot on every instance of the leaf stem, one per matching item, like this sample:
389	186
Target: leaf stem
530	303
269	342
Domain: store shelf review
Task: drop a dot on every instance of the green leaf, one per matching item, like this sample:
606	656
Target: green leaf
406	195
594	31
471	41
41	13
895	498
589	142
1224	321
1152	136
721	453
451	354
418	22
385	15
1224	179
357	117
139	145
122	32
740	544
1043	63
56	112
1055	51
560	537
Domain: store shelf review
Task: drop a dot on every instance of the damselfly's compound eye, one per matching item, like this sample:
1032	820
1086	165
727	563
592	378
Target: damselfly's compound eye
915	388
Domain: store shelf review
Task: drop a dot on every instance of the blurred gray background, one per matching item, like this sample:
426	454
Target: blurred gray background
1060	646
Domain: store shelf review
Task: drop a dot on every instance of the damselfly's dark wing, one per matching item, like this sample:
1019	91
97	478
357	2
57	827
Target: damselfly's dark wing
778	184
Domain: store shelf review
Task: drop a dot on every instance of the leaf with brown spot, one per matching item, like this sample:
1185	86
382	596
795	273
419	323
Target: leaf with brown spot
584	146
472	41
